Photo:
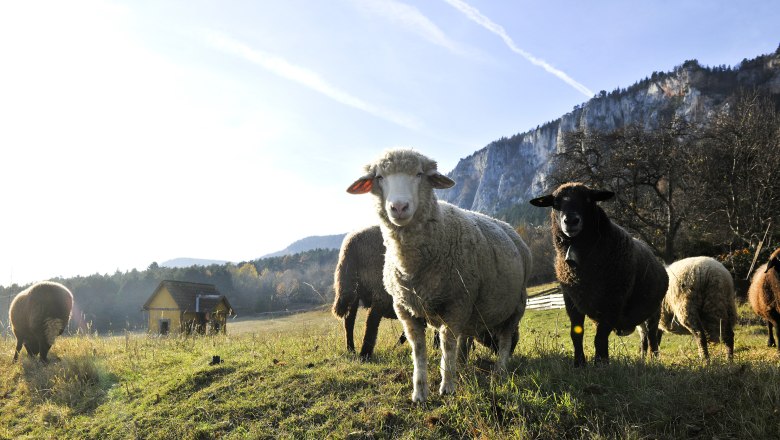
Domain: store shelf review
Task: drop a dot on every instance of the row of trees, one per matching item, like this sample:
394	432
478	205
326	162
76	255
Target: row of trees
113	302
687	188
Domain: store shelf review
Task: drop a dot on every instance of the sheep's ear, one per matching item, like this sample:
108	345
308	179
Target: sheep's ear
599	195
439	180
362	185
543	201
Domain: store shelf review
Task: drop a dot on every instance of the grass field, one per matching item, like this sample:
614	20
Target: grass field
291	377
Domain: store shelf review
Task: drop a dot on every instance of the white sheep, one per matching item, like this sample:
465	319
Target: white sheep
700	301
461	271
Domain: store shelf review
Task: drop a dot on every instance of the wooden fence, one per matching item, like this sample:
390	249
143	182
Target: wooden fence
547	300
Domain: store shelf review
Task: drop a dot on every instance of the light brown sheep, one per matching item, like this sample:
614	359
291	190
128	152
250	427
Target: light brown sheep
700	302
764	295
38	315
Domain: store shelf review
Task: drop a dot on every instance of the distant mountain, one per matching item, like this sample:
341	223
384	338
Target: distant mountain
310	243
188	262
498	179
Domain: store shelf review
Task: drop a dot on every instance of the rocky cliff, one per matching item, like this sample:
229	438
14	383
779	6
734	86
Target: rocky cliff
500	178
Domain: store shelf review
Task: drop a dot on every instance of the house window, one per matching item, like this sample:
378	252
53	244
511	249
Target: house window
165	326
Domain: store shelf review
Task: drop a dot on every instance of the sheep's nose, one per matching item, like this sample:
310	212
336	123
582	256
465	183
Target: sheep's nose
399	207
571	220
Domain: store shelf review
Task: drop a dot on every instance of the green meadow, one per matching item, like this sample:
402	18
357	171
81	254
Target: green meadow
291	377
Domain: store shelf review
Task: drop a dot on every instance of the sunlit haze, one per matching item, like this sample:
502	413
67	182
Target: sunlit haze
141	131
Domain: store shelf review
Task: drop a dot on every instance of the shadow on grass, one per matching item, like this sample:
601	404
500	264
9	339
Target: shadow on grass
545	396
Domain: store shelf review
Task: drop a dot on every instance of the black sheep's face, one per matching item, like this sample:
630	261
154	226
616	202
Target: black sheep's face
573	204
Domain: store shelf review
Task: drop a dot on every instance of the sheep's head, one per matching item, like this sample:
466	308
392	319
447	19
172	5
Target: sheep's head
400	179
774	261
573	204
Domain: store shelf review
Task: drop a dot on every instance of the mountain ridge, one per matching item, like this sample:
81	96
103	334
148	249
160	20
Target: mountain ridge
498	178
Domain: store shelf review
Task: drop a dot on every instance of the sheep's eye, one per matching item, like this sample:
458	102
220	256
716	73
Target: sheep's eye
379	177
419	175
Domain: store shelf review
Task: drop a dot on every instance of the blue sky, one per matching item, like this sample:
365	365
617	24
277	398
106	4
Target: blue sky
140	131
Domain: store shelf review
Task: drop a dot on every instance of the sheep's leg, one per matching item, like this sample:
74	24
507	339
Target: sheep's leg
653	334
601	341
18	349
372	327
504	350
577	320
771	341
464	346
415	333
436	338
644	339
701	341
728	339
449	359
44	352
31	347
349	327
777	334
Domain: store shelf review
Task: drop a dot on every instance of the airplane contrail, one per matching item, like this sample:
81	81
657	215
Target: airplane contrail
474	15
304	77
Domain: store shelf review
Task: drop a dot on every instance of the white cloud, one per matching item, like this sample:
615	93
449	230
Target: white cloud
305	77
474	15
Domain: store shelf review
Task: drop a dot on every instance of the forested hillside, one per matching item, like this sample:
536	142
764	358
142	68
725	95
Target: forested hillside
112	302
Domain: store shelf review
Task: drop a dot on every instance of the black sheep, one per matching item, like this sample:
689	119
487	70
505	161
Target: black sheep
604	273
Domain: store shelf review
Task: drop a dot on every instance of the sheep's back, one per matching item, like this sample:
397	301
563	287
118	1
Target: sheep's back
762	295
44	307
699	287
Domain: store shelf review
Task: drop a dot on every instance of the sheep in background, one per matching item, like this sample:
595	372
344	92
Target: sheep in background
38	315
461	271
358	279
604	273
700	301
764	295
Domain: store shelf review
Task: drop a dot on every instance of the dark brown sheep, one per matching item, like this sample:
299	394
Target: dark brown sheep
764	295
38	315
358	280
604	273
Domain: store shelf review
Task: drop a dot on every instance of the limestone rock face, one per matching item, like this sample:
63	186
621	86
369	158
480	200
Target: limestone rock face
510	171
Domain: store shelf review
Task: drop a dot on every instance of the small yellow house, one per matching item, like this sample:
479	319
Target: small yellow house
182	307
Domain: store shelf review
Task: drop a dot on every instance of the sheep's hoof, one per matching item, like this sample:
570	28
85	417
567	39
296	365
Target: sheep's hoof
579	363
447	388
420	395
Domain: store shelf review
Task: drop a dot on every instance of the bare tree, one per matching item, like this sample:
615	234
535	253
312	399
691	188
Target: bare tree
649	171
740	157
